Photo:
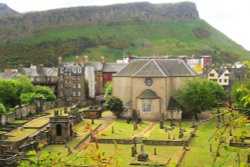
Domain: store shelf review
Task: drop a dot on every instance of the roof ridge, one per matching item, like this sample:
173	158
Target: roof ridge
168	74
157	65
141	68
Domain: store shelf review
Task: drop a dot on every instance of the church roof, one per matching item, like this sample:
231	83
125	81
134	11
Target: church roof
148	94
156	68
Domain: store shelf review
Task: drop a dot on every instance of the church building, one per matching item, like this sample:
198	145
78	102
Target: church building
147	85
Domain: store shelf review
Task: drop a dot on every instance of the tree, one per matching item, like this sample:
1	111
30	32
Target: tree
46	92
8	92
114	104
108	90
241	95
27	98
199	95
2	108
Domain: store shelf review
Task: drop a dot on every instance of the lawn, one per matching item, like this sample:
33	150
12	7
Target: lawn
123	153
37	123
123	130
19	121
200	155
161	134
19	134
79	129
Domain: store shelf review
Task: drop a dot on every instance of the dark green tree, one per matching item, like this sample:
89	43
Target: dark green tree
115	105
2	108
199	95
46	92
8	92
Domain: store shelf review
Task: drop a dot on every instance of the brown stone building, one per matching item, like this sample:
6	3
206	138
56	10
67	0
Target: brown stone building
71	83
147	85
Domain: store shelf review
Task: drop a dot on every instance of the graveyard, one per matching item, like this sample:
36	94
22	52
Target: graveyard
131	142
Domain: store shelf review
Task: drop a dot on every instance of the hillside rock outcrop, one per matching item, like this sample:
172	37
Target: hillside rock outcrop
27	24
6	11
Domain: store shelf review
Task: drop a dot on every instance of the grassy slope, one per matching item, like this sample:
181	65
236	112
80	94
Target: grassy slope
147	39
113	41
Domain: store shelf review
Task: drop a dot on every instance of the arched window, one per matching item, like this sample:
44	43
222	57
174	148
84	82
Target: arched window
59	130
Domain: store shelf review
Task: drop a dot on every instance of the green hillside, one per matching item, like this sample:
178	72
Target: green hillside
113	41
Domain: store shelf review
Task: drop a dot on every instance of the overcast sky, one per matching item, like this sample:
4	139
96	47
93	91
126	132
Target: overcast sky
229	16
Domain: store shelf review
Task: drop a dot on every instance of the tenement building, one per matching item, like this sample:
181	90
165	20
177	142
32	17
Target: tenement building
71	83
147	85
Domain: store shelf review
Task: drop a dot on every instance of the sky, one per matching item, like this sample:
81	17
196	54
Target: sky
228	16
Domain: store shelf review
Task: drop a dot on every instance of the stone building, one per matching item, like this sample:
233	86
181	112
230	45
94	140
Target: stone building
147	85
71	83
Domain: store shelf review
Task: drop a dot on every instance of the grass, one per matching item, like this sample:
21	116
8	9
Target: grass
37	123
160	134
200	155
19	121
123	130
123	153
113	41
79	129
18	134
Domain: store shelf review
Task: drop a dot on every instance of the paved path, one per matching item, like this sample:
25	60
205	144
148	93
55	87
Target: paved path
146	132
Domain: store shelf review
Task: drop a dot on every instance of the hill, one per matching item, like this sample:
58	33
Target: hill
6	11
141	29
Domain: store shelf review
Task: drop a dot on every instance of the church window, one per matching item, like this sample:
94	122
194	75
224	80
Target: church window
146	106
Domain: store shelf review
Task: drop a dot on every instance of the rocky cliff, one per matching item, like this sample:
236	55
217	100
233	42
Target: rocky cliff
6	11
28	24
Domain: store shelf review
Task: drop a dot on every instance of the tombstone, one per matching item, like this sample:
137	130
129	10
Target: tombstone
38	104
173	137
143	156
60	112
155	151
92	121
135	126
132	151
135	147
169	136
166	129
113	129
210	148
180	134
161	124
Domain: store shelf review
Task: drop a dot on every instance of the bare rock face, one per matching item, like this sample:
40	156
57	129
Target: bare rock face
26	24
6	11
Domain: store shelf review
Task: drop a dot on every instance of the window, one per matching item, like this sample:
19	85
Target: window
225	80
227	75
79	93
74	93
79	70
79	85
211	75
219	80
146	106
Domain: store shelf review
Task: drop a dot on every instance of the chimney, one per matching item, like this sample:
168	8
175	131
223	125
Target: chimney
77	60
59	60
85	60
39	68
102	60
20	68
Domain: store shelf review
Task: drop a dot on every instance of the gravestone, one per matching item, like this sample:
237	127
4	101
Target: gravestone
92	121
155	151
143	156
113	129
161	124
210	148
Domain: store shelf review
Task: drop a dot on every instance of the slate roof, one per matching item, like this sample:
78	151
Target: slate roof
148	94
156	68
113	67
32	72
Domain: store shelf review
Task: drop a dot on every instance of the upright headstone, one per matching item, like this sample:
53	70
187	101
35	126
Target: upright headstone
161	124
155	152
113	130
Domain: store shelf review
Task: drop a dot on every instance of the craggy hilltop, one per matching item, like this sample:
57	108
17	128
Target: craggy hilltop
142	29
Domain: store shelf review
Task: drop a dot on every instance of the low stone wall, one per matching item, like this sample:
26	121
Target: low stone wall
22	112
118	141
163	142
